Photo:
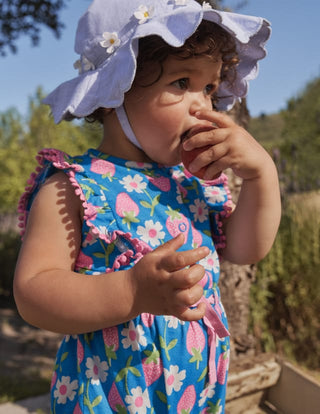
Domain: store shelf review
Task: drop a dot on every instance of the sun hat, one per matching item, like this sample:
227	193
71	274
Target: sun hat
107	42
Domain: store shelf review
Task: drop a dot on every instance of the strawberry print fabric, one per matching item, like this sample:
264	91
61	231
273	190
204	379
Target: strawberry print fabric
151	364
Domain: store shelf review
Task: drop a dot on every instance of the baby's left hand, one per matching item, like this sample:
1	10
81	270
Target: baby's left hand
228	146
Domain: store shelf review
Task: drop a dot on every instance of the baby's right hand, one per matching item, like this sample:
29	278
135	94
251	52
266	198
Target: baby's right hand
165	282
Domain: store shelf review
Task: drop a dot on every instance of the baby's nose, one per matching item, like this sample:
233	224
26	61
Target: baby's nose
200	101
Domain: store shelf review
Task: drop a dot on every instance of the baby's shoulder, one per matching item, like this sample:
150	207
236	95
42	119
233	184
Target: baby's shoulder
58	191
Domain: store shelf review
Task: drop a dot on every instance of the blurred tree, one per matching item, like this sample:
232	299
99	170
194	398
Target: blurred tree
21	140
293	138
300	146
20	17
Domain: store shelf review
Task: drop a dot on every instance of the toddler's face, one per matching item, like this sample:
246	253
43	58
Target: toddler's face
161	115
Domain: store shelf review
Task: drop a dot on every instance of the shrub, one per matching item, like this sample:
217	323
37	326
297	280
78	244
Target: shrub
285	299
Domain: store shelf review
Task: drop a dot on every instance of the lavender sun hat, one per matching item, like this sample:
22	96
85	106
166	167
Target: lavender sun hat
107	42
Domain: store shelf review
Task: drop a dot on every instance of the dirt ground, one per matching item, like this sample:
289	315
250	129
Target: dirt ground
26	353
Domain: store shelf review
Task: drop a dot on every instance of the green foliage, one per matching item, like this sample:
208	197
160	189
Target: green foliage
17	387
301	138
293	136
267	129
20	141
285	299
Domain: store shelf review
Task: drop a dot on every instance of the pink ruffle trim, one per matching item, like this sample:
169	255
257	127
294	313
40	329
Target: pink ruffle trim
59	160
220	240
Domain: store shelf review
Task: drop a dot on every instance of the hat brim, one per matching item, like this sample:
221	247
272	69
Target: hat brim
105	87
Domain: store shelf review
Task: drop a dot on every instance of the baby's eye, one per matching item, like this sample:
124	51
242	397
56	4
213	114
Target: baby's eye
209	89
181	83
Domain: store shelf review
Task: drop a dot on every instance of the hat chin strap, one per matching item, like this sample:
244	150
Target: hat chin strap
125	125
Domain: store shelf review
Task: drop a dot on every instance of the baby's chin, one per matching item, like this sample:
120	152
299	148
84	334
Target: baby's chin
169	162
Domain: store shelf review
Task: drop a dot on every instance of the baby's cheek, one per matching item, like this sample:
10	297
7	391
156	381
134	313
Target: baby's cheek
167	98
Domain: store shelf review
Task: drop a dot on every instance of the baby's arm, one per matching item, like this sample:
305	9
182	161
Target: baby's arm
251	228
50	295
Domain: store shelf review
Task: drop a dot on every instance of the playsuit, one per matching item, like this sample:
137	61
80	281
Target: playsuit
151	364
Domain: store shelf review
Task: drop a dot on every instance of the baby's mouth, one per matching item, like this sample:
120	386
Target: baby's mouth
185	135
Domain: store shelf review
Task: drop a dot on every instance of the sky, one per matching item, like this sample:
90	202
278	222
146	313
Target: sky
293	57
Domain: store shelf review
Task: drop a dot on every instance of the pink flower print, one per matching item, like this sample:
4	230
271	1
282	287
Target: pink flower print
152	369
114	398
187	400
163	183
77	409
214	194
65	389
196	236
199	210
177	223
223	365
111	342
103	167
151	233
127	208
84	262
133	337
211	262
138	401
174	378
195	342
147	319
135	184
97	370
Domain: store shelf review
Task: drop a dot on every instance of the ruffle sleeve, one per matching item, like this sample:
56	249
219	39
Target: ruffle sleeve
96	213
49	160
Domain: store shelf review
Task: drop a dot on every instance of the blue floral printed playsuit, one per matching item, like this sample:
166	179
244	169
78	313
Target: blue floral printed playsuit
151	364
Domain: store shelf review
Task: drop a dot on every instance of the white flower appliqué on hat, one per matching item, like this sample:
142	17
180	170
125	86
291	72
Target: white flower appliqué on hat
83	65
206	6
144	13
110	41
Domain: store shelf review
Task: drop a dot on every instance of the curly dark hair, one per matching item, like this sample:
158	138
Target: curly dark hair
208	40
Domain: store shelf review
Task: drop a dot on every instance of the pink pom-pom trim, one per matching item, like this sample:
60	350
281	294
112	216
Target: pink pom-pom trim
60	160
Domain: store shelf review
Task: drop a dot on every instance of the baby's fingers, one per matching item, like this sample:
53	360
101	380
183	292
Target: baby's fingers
193	314
187	278
180	260
221	120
